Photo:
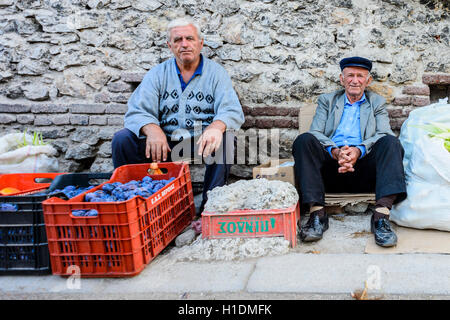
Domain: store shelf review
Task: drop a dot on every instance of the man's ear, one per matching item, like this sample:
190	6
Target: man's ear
341	78
369	81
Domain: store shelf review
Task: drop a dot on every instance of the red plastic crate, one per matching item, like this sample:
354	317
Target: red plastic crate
126	235
252	224
26	182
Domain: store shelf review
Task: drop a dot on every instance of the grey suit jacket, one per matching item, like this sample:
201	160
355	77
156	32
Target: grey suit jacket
374	118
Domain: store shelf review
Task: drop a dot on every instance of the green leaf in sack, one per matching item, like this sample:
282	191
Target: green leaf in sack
441	126
447	145
443	135
433	128
23	142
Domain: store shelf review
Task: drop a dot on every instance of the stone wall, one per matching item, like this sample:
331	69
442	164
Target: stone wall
68	67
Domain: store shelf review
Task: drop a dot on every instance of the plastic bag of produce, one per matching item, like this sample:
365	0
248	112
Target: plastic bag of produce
23	153
427	169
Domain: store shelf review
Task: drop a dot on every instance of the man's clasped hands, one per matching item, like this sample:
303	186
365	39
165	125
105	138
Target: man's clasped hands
346	157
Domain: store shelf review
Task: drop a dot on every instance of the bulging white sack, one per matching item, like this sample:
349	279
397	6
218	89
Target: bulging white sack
427	170
27	159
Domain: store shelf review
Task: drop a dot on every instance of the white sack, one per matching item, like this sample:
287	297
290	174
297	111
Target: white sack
27	159
427	170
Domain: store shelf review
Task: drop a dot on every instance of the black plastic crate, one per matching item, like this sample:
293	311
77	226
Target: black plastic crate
79	180
22	234
23	239
32	259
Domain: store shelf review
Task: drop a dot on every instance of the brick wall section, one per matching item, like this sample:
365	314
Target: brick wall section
442	78
105	114
416	90
52	114
270	117
414	96
62	121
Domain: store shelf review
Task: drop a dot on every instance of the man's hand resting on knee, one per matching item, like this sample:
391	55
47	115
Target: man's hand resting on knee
346	157
211	138
156	142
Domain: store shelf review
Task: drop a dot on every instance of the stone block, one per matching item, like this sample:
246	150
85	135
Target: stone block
395	113
402	101
356	208
420	101
185	238
119	86
36	92
25	118
102	98
105	150
102	165
80	152
121	98
436	78
61	119
115	120
116	108
98	120
264	123
14	108
82	120
7	118
249	123
48	108
42	121
86	135
132	77
88	108
416	90
271	111
285	123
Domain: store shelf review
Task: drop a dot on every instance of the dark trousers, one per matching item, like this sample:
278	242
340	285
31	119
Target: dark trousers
127	148
380	171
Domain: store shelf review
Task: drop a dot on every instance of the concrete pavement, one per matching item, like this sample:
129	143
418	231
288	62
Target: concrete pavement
333	268
294	273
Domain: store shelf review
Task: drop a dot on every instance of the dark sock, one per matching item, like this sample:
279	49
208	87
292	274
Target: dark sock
378	215
387	201
317	209
383	206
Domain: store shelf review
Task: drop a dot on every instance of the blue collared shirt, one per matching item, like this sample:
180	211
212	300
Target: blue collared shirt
198	71
349	132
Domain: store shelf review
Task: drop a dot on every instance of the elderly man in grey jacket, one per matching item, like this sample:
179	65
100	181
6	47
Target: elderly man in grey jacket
350	147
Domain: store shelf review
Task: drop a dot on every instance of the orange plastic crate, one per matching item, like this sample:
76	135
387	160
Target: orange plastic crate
126	235
26	182
252	224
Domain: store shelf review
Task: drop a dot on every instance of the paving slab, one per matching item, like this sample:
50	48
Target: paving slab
161	276
186	277
340	273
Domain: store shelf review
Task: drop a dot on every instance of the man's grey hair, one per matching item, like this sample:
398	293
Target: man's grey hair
182	22
368	74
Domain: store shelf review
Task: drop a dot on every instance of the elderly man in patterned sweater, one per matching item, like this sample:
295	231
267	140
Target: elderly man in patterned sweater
184	99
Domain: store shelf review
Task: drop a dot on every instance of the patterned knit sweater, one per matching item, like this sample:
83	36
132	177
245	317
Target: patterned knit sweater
160	100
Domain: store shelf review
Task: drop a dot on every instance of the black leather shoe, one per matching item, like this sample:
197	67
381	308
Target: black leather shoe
384	235
315	227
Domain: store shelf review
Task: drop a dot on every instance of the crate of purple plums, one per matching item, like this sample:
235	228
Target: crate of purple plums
23	240
118	227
